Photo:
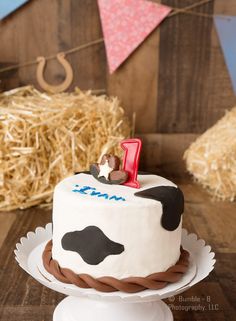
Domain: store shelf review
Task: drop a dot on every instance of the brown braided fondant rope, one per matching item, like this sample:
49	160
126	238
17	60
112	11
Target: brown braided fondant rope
154	281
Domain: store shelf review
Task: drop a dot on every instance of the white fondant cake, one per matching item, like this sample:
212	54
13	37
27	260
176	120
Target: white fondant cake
107	230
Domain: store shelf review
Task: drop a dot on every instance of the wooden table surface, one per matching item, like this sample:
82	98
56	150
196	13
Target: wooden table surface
24	299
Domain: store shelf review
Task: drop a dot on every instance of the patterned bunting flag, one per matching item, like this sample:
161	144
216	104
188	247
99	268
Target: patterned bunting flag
126	24
226	29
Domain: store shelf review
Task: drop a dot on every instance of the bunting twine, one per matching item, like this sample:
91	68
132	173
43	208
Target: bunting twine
176	11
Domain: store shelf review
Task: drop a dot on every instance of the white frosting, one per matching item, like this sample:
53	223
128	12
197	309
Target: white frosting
133	222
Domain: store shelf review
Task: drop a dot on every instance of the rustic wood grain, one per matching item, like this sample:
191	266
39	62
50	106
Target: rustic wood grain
89	64
175	82
135	84
225	271
6	222
212	222
47	27
37	35
27	313
185	48
23	298
18	291
8	79
206	295
163	153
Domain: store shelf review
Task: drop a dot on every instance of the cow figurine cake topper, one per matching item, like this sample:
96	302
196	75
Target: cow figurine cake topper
108	170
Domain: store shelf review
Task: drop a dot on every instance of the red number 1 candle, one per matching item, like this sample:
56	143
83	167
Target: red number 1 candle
132	148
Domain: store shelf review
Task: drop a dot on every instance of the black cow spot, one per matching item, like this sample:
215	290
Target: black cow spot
91	244
172	200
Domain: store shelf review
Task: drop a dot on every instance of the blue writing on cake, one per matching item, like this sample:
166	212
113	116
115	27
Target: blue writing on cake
92	191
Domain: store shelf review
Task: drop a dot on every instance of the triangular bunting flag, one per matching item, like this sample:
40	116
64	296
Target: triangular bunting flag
126	24
8	6
226	29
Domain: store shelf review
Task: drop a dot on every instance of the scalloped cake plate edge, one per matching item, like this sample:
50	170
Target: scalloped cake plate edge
29	256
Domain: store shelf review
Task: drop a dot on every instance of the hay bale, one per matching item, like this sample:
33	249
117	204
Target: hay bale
211	159
45	138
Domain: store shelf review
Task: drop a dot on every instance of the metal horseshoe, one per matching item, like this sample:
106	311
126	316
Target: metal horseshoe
57	88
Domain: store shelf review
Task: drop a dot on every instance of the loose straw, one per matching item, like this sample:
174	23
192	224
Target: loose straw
45	138
211	159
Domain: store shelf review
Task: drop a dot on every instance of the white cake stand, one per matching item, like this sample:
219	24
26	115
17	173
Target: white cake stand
91	305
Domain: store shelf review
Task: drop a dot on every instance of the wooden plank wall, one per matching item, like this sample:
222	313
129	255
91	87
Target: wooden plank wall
176	82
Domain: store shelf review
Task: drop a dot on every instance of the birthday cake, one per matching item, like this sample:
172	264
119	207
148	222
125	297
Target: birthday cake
115	237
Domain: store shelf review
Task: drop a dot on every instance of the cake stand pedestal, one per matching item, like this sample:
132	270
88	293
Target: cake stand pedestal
91	305
86	309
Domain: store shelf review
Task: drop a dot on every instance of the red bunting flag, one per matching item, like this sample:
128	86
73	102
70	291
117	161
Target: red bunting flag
126	24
